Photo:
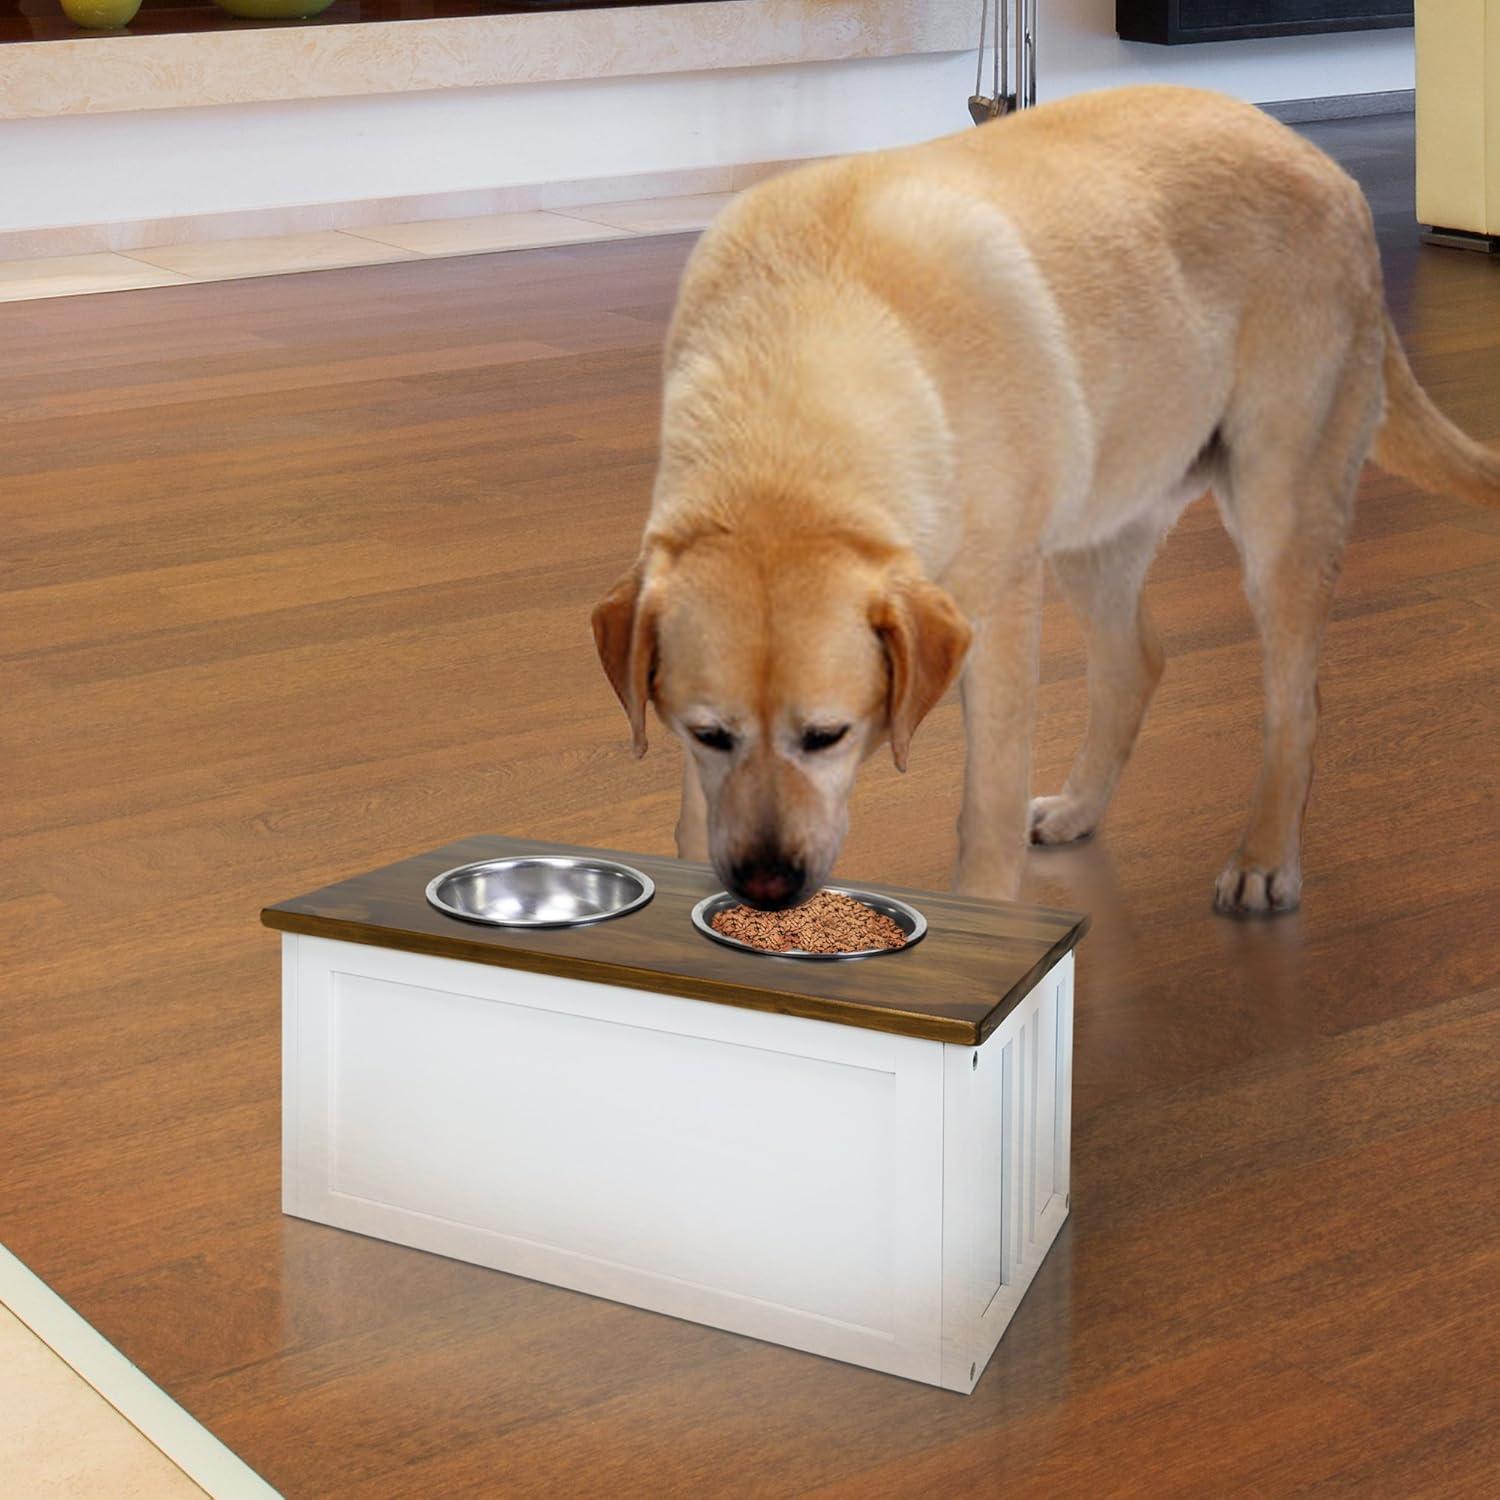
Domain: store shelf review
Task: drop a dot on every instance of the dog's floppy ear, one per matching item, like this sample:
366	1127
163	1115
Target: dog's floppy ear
625	634
926	638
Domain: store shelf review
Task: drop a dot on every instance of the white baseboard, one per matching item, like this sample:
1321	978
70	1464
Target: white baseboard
89	239
148	1408
365	213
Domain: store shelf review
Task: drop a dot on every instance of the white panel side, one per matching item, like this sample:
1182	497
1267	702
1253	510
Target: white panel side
1062	1170
1007	1128
293	1072
1026	1133
1009	1147
1045	1124
1018	1114
769	1174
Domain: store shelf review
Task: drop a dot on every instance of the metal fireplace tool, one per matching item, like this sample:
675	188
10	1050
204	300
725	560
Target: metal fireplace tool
1012	41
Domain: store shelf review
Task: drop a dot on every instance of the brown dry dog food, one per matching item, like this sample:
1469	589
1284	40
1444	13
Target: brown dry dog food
829	923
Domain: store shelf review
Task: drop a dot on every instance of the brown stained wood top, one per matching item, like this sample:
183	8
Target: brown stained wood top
976	963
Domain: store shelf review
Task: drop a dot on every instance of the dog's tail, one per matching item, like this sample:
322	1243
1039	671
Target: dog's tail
1418	442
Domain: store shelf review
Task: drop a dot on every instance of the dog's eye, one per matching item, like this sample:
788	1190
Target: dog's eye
814	740
714	737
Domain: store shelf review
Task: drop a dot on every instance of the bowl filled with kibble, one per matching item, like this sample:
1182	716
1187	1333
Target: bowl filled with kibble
837	923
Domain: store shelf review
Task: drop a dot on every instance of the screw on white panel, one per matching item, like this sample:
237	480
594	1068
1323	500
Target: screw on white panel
971	1372
975	1062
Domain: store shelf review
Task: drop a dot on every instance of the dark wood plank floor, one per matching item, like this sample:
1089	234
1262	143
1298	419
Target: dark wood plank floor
294	581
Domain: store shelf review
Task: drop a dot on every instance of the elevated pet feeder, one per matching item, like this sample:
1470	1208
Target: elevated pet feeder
864	1159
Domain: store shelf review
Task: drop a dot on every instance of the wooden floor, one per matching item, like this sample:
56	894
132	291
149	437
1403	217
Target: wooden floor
296	577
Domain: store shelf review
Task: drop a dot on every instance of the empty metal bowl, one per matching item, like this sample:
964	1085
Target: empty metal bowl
541	890
907	918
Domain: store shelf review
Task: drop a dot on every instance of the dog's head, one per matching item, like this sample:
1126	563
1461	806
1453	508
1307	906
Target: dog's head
781	663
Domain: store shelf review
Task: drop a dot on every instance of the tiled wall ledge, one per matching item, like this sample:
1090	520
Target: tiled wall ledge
103	76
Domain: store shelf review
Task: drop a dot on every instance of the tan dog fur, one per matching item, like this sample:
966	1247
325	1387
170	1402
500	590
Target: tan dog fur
895	384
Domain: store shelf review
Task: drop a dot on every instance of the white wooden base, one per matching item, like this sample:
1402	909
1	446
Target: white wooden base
879	1199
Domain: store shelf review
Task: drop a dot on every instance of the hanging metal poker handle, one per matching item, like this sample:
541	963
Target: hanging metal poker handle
1025	51
984	106
1000	100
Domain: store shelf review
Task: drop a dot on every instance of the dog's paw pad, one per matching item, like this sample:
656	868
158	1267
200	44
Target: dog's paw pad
1061	820
1250	890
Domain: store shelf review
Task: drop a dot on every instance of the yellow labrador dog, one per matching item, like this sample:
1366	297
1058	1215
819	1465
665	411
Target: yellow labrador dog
896	384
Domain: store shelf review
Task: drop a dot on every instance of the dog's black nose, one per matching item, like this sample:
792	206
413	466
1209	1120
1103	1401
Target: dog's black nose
770	884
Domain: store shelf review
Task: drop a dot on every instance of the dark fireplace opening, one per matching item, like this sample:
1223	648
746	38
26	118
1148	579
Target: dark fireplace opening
1172	22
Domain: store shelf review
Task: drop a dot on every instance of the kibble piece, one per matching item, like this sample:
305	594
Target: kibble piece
829	923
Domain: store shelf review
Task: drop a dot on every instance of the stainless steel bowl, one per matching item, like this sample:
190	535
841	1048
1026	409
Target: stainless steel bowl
541	890
907	918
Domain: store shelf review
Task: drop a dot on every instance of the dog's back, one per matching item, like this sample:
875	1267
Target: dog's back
1104	182
1019	265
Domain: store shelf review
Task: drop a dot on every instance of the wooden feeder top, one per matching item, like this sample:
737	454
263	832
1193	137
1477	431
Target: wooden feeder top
978	959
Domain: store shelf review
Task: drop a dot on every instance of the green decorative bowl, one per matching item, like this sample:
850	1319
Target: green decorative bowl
101	15
274	10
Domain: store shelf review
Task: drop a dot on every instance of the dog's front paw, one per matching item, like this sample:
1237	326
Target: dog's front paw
1064	819
1244	889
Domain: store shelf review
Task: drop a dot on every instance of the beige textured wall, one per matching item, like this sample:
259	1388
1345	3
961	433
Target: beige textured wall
95	76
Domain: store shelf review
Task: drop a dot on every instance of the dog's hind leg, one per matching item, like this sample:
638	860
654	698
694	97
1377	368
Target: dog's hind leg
1287	500
1103	584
